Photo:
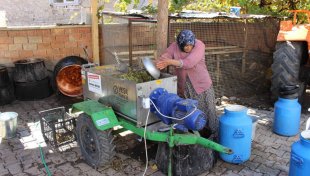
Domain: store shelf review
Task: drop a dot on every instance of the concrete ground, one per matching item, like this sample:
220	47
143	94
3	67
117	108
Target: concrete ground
21	156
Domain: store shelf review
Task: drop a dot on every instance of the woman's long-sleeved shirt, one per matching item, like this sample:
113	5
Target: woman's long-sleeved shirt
193	66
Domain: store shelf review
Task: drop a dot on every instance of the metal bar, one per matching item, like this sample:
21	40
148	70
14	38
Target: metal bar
174	139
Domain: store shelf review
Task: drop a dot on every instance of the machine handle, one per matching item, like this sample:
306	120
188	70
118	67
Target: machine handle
298	161
238	133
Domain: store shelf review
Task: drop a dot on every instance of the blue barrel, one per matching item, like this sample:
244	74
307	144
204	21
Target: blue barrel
300	156
286	117
235	132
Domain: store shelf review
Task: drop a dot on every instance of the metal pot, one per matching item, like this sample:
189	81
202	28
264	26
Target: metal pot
8	123
150	67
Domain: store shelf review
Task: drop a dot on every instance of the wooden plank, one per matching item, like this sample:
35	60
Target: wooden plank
220	47
237	50
162	23
245	51
95	34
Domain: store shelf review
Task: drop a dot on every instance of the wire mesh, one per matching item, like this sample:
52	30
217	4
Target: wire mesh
238	50
128	38
57	127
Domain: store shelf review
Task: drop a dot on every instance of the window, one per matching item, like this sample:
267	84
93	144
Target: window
64	2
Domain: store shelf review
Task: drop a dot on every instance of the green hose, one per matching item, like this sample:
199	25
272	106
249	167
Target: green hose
43	161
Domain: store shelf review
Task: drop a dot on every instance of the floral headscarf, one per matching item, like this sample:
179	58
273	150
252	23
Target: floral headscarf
185	37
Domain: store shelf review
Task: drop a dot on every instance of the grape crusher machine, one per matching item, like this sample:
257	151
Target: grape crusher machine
151	109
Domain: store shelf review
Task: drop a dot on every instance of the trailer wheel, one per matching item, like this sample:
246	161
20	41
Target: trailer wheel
286	67
96	146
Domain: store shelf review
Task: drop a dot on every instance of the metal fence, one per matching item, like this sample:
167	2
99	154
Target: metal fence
238	50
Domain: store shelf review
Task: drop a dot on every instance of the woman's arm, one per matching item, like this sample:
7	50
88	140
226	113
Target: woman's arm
195	55
166	59
161	64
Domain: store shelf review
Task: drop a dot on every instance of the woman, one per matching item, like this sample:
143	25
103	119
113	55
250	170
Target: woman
187	55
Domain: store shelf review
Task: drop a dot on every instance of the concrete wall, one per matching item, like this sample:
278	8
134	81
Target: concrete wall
41	13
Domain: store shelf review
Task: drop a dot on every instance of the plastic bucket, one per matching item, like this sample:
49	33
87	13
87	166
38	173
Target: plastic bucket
8	124
235	11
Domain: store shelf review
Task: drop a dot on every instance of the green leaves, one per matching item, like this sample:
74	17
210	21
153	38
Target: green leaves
268	7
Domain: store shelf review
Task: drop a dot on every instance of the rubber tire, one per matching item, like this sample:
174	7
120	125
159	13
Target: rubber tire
187	160
4	77
6	95
286	66
103	142
29	91
29	70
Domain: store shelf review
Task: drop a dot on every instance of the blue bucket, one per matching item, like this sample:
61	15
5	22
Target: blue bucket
235	11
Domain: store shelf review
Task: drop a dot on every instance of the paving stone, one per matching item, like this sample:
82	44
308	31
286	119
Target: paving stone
283	173
267	170
70	156
218	170
286	155
32	171
93	172
281	167
21	174
14	168
233	167
3	170
248	172
277	159
66	167
277	152
285	148
56	158
251	165
261	153
263	161
83	167
230	173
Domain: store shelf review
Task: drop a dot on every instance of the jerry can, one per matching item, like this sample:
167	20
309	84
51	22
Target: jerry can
235	132
300	154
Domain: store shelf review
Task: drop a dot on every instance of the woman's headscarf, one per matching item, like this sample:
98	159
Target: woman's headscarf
185	37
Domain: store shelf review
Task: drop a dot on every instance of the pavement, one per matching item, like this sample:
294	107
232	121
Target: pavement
22	155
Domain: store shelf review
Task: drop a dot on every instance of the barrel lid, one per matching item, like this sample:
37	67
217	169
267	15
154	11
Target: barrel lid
28	61
289	89
7	116
305	134
235	108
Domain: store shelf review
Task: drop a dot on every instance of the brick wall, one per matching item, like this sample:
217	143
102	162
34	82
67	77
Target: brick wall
51	44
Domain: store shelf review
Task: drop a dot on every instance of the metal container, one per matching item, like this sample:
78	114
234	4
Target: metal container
125	97
8	123
150	67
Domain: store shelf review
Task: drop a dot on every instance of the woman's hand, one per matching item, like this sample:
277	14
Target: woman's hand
161	64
